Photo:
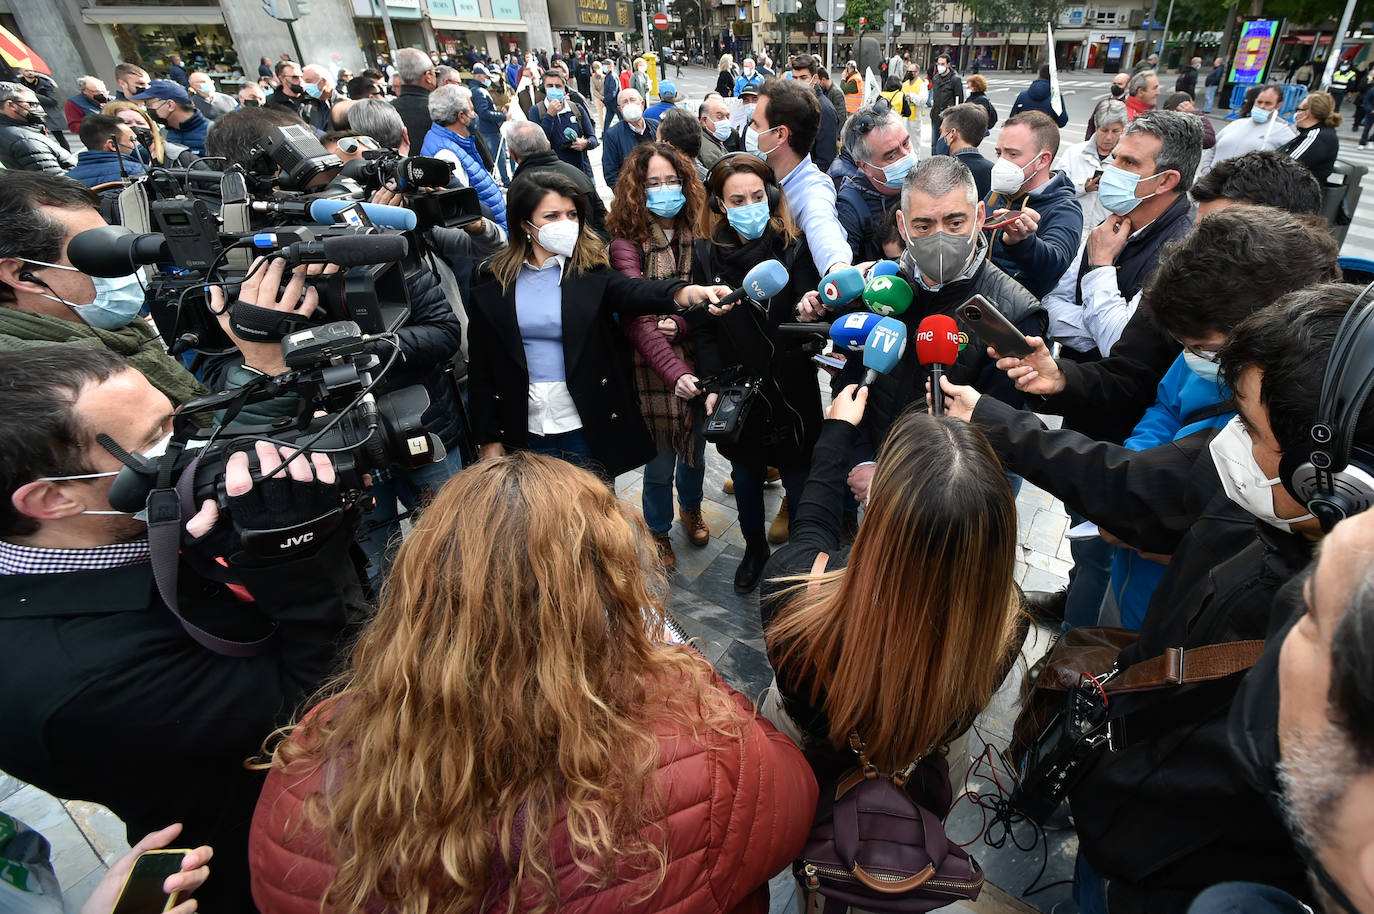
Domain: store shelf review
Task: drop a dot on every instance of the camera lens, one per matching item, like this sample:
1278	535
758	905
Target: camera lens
973	313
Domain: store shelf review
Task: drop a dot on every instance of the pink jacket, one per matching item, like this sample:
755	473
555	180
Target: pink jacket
643	331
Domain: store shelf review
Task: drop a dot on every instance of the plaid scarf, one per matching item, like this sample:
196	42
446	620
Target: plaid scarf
670	418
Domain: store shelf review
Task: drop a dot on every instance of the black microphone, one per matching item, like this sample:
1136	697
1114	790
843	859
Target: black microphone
347	250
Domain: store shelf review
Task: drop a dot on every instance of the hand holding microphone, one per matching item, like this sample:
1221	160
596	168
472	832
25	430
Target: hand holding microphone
937	345
760	284
884	348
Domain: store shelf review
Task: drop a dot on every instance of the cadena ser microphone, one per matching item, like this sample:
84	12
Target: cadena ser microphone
884	348
760	284
888	296
322	212
850	332
841	287
937	345
884	268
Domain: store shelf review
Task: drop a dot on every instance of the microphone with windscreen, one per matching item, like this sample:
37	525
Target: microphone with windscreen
347	250
841	287
884	268
322	211
888	296
850	332
884	348
760	284
937	345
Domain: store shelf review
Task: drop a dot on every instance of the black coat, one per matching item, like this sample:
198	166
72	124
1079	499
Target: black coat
945	90
1170	812
110	701
597	363
413	107
1187	81
725	83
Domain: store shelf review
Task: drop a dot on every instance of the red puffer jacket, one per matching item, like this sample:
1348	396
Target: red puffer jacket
737	812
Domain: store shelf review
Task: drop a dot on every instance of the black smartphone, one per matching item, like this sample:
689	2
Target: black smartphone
142	892
983	318
1097	176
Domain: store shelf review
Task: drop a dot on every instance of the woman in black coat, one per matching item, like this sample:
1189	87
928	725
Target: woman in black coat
747	223
1316	144
549	366
725	80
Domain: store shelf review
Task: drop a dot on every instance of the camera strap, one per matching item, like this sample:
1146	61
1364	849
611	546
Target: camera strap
264	325
166	507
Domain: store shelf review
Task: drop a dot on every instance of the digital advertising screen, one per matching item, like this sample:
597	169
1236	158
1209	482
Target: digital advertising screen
1255	50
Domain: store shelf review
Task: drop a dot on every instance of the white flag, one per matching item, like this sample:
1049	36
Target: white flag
1056	100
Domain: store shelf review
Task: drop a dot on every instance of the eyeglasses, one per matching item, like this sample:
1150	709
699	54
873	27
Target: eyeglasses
655	183
1208	353
353	144
25	102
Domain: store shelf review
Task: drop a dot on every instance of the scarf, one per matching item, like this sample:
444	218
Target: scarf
671	419
136	342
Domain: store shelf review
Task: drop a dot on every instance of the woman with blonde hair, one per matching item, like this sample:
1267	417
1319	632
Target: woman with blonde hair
658	203
1316	144
725	80
145	131
903	638
514	734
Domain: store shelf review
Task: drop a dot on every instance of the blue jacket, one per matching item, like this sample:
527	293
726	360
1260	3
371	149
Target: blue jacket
98	166
620	139
741	82
464	149
489	120
861	207
575	118
657	111
191	133
178	75
1180	395
1037	98
1039	261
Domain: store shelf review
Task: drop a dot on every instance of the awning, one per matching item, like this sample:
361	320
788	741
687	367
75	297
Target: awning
455	24
152	15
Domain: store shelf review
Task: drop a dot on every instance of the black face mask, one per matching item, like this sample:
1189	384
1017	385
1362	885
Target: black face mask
250	103
103	99
35	117
1118	91
144	137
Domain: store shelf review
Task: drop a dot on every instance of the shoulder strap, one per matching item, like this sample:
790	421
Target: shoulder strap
1177	666
1210	411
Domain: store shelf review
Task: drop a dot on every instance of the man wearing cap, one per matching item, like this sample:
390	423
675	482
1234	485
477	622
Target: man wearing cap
667	100
749	100
489	117
169	104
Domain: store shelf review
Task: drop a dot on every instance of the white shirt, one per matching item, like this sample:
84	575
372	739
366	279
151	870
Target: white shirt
1246	136
1103	315
1080	163
810	195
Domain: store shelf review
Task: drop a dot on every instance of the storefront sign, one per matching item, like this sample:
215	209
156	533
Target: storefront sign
505	9
588	15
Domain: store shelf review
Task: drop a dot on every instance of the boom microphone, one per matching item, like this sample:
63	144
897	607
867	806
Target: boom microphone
841	287
761	283
937	345
851	331
889	296
884	348
348	250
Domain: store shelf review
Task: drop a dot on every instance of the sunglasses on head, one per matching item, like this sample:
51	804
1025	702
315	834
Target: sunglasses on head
865	123
352	144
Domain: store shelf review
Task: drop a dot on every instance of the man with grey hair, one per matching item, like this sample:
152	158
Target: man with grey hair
447	76
375	117
451	137
1142	92
1083	162
963	128
566	120
210	102
945	262
529	147
1145	192
24	142
318	83
1187	78
416	73
90	97
880	146
634	128
718	136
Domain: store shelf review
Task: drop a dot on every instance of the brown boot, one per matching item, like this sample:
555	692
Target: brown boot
697	530
729	487
772	476
777	531
665	550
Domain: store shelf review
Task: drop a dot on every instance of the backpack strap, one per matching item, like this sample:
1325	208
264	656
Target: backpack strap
1177	666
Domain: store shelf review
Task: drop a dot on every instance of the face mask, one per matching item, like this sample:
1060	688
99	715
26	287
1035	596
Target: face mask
748	109
35	116
1007	176
1118	91
553	94
722	129
666	201
205	89
751	142
942	69
559	237
249	103
1203	367
749	220
103	99
1243	480
1260	115
116	303
939	257
895	174
145	137
633	112
1116	190
312	89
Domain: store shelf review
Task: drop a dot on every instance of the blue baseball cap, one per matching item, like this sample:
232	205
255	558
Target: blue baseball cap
164	89
666	89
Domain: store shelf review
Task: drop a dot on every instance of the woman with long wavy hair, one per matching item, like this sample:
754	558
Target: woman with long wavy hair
904	638
514	734
658	202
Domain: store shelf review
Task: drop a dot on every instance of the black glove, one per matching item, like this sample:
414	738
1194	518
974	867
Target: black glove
280	517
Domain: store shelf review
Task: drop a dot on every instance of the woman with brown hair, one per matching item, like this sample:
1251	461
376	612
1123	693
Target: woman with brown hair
903	638
549	369
747	222
658	203
1316	144
514	734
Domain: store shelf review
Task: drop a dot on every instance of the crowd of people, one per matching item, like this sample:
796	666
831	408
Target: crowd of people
493	708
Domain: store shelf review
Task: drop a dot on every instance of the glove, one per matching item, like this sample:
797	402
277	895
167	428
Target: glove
282	514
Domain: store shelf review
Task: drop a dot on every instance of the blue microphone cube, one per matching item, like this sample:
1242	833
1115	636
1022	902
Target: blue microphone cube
885	345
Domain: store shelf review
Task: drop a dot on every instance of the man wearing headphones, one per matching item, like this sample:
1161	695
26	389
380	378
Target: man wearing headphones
1238	509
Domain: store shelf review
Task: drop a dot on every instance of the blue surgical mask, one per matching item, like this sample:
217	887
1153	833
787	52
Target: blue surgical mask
722	129
311	89
750	219
553	94
1116	190
1260	115
1200	365
895	174
665	201
117	301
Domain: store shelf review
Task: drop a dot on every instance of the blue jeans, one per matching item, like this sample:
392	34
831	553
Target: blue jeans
570	446
748	479
413	489
657	497
1089	577
1245	898
1089	888
1211	97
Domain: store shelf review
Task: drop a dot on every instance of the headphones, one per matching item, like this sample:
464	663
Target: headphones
1335	480
770	184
